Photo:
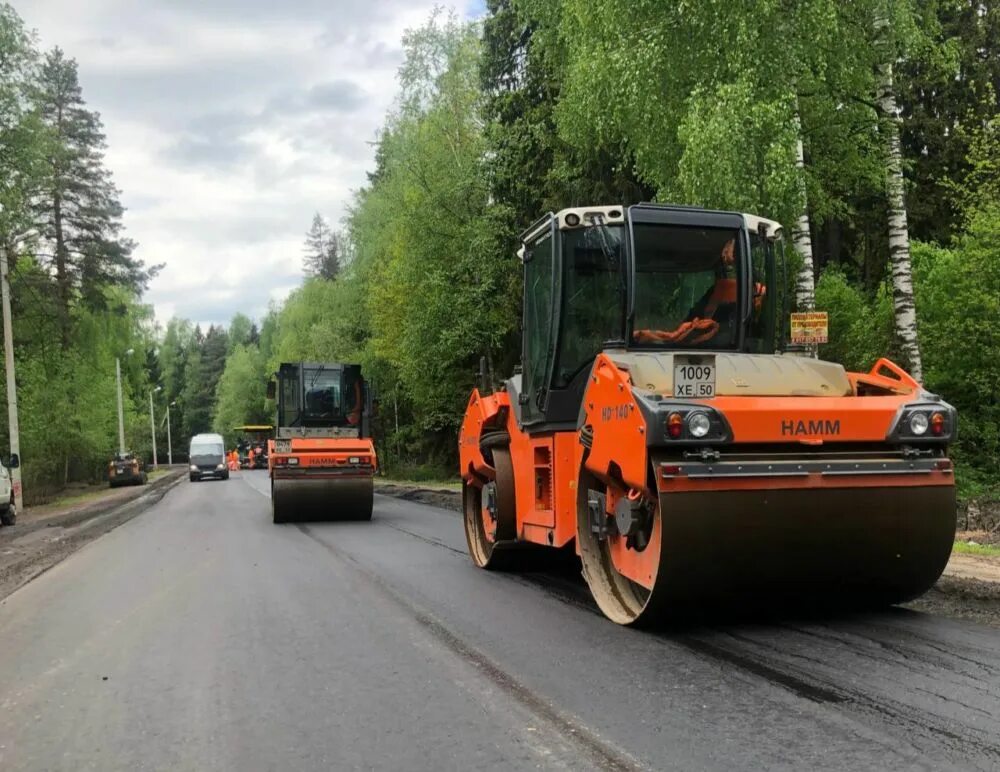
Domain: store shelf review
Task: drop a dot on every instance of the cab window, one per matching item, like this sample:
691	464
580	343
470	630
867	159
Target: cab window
538	279
593	297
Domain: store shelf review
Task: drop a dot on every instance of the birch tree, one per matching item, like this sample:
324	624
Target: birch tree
899	236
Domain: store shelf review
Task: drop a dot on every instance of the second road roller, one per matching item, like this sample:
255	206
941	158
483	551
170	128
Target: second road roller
322	460
662	426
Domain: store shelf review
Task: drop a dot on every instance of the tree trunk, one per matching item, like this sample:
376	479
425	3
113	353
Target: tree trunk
805	281
899	235
62	269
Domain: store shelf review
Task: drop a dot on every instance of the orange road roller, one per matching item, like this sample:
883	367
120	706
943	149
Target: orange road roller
663	426
322	460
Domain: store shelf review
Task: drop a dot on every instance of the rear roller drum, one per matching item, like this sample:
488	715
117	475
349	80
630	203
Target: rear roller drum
322	499
490	516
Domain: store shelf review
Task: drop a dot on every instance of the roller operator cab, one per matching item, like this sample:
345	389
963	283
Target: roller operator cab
660	426
322	460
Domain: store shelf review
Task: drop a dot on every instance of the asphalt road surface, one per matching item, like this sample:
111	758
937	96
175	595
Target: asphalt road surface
200	636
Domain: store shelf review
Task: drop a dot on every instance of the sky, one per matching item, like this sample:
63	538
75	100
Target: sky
229	123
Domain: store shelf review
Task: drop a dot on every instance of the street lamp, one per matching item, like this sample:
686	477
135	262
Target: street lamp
152	422
121	410
170	450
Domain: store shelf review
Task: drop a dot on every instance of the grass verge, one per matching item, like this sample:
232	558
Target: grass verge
965	548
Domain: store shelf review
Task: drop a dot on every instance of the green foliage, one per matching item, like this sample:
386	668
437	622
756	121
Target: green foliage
950	94
241	393
860	326
958	302
241	332
439	289
205	363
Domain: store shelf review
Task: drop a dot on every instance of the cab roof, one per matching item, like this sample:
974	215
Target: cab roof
583	216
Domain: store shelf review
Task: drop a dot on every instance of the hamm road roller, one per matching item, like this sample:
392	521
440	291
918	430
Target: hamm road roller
322	459
661	427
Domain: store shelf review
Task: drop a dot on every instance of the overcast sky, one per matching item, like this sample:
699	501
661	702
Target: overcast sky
229	123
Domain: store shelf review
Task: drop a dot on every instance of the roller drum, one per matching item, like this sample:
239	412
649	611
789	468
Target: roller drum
305	500
767	548
843	546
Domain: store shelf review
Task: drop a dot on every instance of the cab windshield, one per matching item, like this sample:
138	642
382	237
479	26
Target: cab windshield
687	287
323	398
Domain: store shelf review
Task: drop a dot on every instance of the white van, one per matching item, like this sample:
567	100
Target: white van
207	457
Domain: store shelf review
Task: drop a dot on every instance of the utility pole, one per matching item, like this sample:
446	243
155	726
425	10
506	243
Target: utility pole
8	350
121	411
170	447
152	422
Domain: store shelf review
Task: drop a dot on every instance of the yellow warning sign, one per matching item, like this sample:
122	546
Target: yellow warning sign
810	327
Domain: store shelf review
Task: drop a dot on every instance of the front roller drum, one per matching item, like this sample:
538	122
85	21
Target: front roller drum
838	547
489	515
305	500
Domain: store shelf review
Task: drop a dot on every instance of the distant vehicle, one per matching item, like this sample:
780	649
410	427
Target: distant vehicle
8	509
126	469
322	459
256	437
208	457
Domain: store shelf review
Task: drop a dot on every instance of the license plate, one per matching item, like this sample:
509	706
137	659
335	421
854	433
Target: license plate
694	376
282	446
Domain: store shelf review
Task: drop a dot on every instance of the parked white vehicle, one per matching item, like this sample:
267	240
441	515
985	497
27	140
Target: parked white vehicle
8	510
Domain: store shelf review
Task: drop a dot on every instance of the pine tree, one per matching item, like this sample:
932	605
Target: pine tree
78	213
21	152
322	250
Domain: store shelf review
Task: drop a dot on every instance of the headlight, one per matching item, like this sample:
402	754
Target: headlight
926	422
194	468
220	466
919	423
354	460
698	425
691	424
293	461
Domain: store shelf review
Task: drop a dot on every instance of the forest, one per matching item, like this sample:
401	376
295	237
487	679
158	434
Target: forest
871	129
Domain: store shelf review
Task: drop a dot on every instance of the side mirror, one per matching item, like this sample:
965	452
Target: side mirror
15	461
272	390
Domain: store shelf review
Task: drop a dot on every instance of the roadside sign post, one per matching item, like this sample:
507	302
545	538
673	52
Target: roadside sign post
809	328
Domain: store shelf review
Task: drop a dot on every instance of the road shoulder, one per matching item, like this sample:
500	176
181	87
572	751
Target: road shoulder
47	536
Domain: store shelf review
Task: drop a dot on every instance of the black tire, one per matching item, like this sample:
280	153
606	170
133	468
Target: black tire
10	516
194	477
225	475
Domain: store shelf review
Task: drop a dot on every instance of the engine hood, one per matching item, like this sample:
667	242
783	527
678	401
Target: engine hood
749	375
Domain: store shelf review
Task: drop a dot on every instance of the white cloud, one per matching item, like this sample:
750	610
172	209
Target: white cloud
230	122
